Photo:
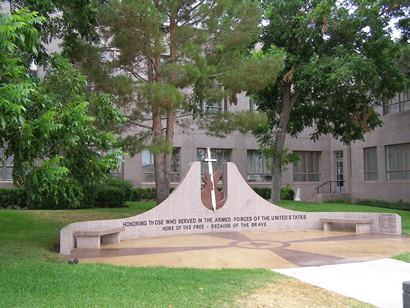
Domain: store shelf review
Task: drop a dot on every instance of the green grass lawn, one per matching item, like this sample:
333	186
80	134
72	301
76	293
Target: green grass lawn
32	274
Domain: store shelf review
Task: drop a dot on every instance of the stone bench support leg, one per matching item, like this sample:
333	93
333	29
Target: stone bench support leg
326	226
363	228
110	238
88	242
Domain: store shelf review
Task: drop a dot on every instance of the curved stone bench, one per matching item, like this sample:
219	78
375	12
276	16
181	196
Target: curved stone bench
94	238
362	225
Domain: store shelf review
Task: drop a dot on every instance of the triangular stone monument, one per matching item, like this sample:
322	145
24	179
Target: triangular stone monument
240	209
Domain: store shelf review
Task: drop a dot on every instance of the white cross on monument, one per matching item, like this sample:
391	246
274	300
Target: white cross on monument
210	160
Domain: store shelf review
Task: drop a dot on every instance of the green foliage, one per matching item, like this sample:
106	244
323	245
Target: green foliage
221	124
175	45
399	205
32	273
12	197
66	131
109	196
49	187
113	192
263	192
51	127
139	194
66	20
340	63
405	257
286	193
255	72
18	40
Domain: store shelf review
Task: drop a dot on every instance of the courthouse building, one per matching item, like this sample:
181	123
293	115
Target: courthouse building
378	168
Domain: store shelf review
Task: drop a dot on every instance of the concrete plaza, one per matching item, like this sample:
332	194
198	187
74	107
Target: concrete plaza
276	250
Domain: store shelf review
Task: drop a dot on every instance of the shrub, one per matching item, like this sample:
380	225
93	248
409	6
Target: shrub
136	194
287	193
263	192
399	205
124	185
113	193
109	196
139	194
12	197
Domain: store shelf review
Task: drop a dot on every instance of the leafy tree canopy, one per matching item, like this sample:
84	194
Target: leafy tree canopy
162	59
341	62
51	127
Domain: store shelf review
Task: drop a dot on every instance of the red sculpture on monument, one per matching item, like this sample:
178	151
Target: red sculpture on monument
211	197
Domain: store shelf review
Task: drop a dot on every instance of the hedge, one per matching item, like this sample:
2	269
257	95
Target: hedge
399	205
113	193
12	197
286	193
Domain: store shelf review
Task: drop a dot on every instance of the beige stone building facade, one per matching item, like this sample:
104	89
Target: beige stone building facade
378	168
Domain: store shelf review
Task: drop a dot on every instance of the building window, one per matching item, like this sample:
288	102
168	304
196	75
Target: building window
148	173
398	162
307	168
218	106
401	102
259	168
176	165
370	164
119	172
6	167
221	156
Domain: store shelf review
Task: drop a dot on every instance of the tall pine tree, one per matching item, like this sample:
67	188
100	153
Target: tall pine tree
162	58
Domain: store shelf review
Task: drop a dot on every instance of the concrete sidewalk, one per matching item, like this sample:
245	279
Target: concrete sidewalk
377	282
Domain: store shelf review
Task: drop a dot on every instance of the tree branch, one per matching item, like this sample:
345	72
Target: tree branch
139	124
133	73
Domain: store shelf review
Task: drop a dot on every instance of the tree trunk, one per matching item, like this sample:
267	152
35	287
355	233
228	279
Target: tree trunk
287	103
162	161
161	183
276	175
161	180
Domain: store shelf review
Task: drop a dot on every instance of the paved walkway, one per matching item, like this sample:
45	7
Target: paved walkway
378	282
249	250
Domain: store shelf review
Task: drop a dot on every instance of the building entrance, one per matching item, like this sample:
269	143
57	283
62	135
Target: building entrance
339	172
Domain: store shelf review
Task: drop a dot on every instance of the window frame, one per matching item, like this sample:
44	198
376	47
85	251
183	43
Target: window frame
306	174
119	172
258	177
365	165
175	175
4	166
388	171
400	101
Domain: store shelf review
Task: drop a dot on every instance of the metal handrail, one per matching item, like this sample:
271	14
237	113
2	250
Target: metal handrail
328	182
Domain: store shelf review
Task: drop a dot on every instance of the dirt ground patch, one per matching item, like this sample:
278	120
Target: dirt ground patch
288	292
